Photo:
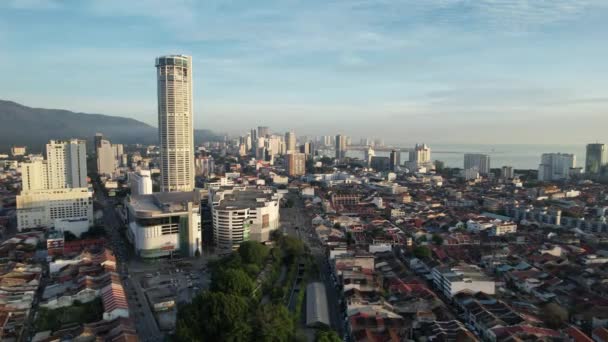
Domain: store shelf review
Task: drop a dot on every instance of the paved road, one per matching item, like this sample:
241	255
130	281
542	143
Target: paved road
139	310
297	217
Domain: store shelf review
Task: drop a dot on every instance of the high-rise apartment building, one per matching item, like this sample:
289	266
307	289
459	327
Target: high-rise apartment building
54	191
507	172
395	160
296	164
274	144
477	161
66	164
175	127
307	148
106	155
34	175
555	166
263	131
596	158
421	155
290	142
340	147
205	166
368	154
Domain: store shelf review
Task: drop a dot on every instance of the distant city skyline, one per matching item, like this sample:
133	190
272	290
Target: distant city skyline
438	71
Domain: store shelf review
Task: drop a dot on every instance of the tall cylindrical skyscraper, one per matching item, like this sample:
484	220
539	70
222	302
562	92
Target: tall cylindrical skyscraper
175	129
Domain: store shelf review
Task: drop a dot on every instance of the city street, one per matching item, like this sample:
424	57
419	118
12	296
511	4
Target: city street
296	223
139	309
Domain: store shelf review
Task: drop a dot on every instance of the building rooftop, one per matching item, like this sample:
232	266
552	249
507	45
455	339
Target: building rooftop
463	272
163	202
245	198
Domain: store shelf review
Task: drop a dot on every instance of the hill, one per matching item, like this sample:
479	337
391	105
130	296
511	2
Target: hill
34	127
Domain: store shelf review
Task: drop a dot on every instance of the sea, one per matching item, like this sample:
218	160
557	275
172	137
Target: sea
519	156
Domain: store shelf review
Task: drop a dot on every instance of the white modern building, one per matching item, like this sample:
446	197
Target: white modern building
555	166
368	155
34	175
507	172
66	164
274	144
45	208
480	162
165	223
175	127
420	156
243	213
55	190
141	182
64	167
462	277
106	156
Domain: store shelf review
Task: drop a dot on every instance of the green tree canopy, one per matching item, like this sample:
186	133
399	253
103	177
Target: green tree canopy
326	335
293	247
253	252
214	316
232	281
554	315
273	323
422	252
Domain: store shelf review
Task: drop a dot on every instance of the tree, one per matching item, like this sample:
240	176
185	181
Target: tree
253	252
273	323
554	315
292	247
326	335
422	252
232	281
437	239
214	316
276	235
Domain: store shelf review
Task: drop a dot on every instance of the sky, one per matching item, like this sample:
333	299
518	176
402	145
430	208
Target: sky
444	71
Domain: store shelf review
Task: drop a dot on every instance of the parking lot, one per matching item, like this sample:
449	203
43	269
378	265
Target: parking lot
156	288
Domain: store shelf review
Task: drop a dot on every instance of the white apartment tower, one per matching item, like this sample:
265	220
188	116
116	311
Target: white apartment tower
106	156
175	128
66	164
480	162
420	155
555	166
54	191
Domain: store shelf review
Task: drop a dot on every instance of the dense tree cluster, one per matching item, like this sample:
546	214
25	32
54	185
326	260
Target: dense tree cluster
231	310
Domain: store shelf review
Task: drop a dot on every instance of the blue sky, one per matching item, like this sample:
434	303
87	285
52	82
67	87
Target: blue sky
462	71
